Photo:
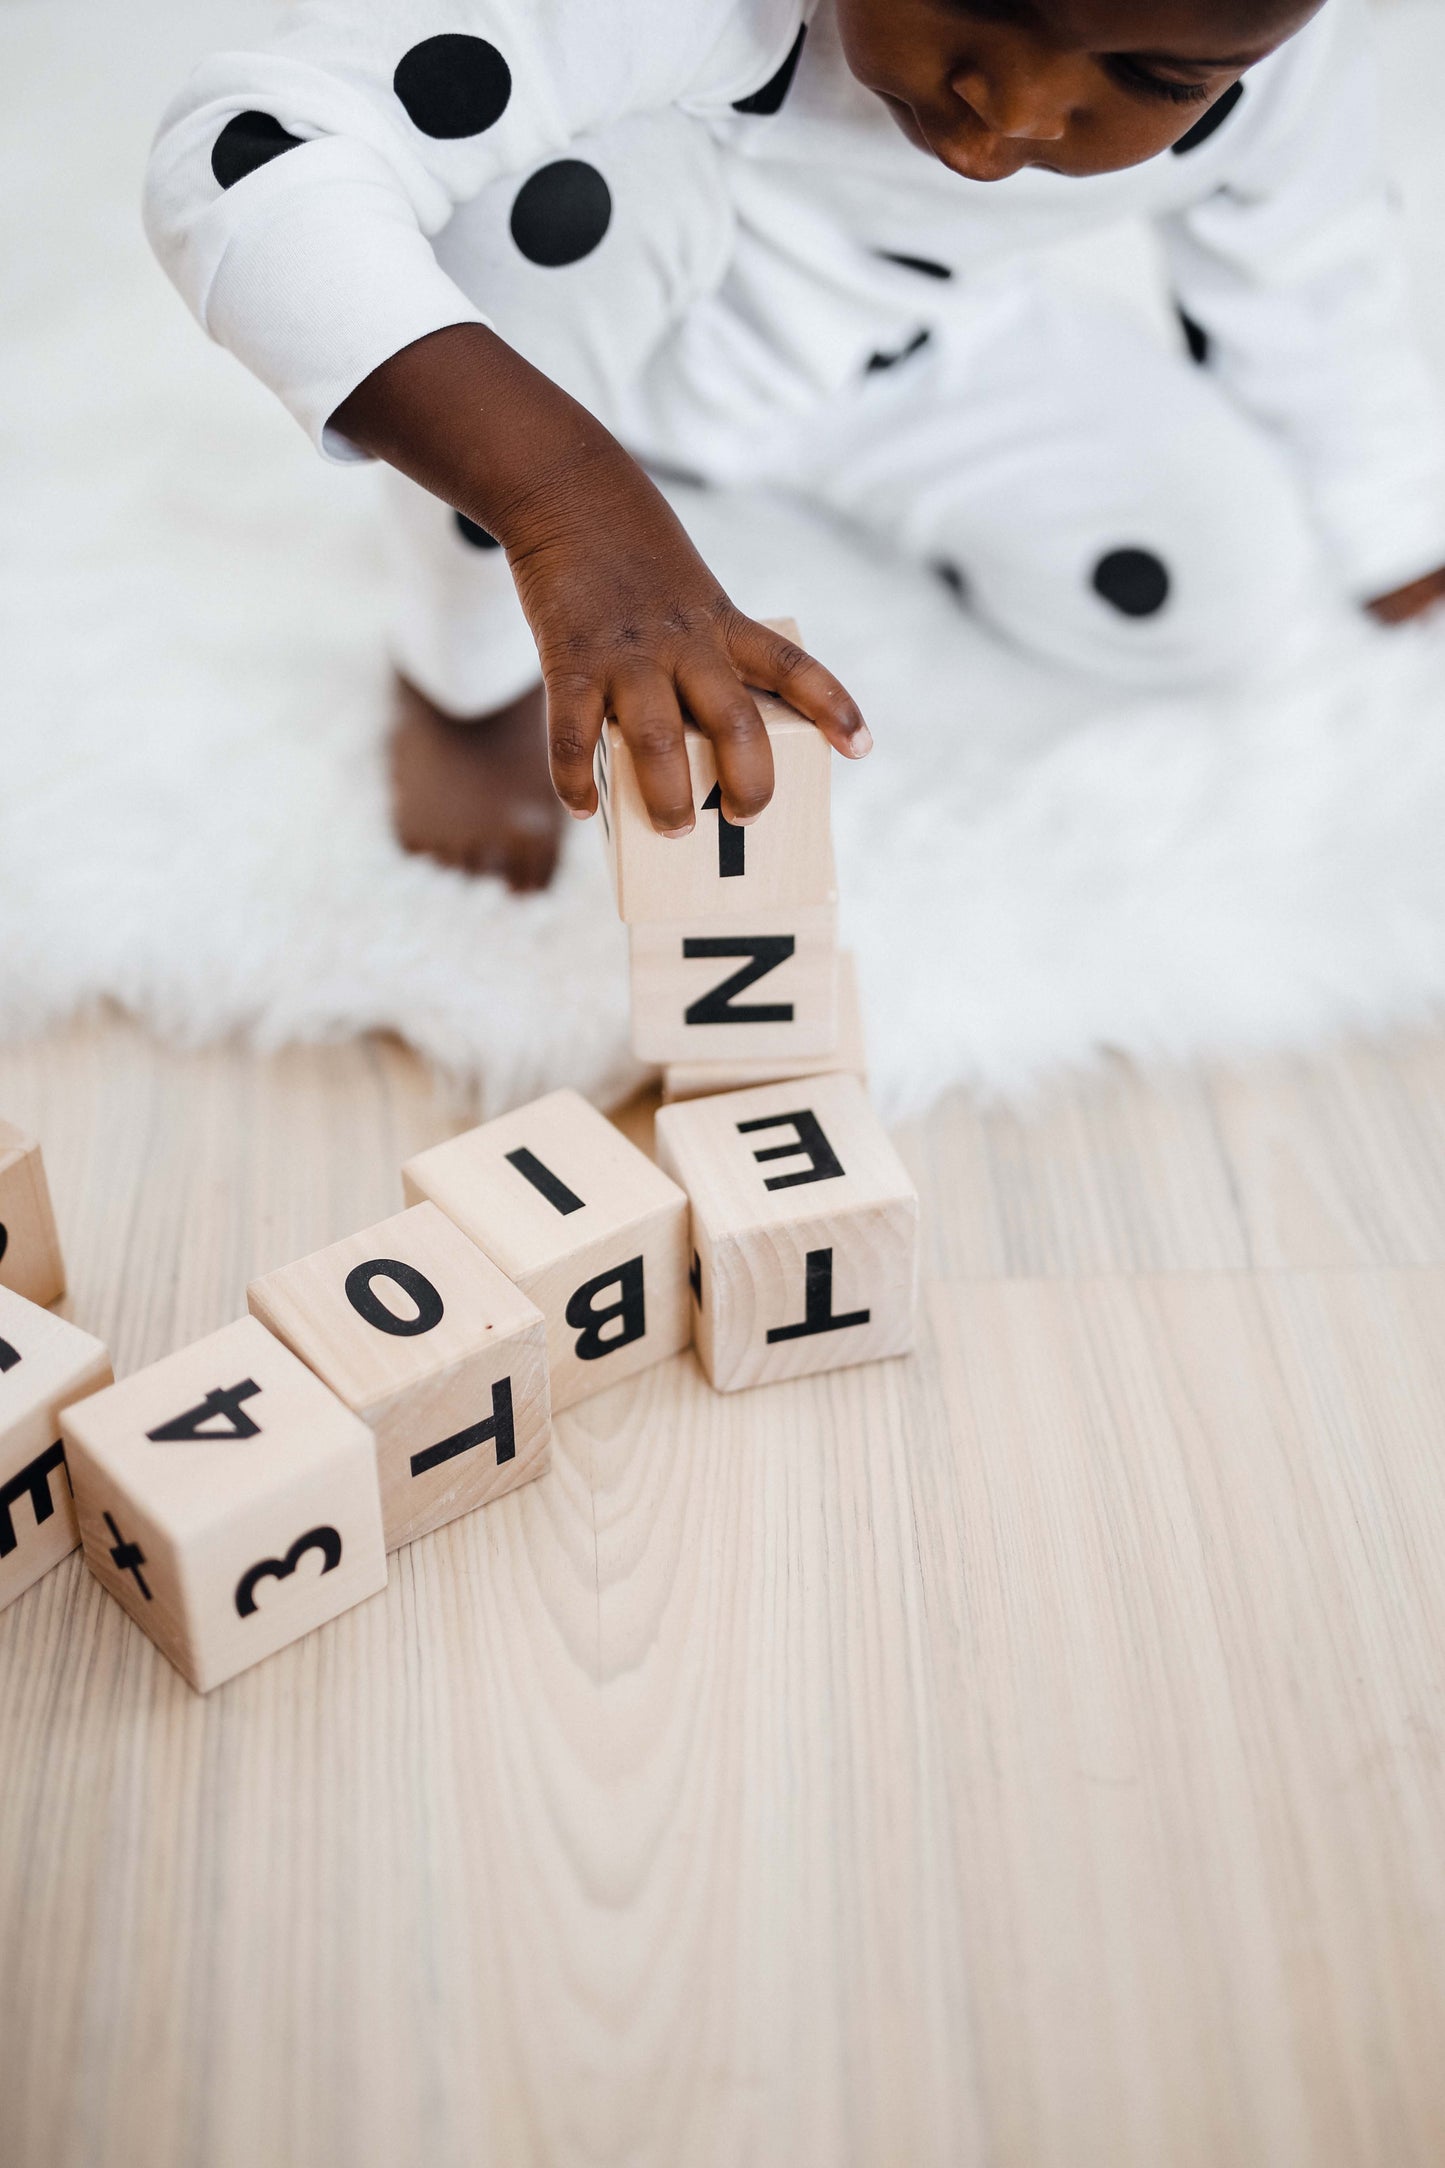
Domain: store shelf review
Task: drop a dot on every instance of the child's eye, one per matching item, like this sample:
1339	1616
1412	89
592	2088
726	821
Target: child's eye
1134	76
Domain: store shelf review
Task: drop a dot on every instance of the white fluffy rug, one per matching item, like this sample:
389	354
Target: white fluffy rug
191	807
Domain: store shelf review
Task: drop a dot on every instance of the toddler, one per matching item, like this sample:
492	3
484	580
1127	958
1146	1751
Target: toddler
524	251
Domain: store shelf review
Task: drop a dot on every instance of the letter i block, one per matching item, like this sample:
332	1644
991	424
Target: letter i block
45	1364
764	985
700	1079
583	1222
804	1229
227	1500
30	1260
435	1349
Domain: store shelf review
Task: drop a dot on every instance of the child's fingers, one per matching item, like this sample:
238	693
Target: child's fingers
645	704
574	724
721	705
781	666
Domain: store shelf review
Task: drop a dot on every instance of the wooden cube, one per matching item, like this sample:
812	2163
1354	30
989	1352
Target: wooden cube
804	1229
583	1222
227	1500
45	1364
434	1349
30	1260
782	859
700	1079
764	986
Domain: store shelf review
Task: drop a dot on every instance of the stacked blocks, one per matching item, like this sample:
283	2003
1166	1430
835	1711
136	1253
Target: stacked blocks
236	1494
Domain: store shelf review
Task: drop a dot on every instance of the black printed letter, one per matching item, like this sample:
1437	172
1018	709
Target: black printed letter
498	1425
542	1179
823	1162
818	1303
414	1285
587	1320
34	1478
765	951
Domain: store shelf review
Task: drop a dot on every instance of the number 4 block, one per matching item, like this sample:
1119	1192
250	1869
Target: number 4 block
804	1229
227	1500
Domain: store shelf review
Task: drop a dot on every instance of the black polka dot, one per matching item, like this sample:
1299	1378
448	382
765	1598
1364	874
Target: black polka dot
1135	581
770	98
1196	338
475	535
891	361
923	265
248	141
561	213
951	577
1217	115
453	85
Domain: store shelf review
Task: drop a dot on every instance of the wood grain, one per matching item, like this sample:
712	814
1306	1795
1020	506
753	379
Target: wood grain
1026	1753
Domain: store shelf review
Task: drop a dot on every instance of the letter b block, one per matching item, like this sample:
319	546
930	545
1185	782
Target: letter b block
44	1365
434	1349
583	1222
227	1500
804	1229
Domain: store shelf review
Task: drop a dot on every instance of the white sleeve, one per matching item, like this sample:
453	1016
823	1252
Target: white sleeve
1293	269
292	192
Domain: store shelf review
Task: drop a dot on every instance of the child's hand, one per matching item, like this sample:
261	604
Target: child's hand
1412	601
627	618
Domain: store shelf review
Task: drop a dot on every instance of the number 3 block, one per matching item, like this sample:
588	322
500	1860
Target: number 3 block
435	1349
227	1500
804	1229
583	1222
44	1365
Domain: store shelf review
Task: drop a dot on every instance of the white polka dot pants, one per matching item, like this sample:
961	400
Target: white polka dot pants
1093	496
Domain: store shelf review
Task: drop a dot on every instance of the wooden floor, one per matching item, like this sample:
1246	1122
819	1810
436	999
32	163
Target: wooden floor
1028	1753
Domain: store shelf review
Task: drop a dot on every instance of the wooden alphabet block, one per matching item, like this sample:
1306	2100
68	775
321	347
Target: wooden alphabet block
804	1229
227	1500
782	859
701	1079
583	1222
434	1349
760	986
30	1260
45	1364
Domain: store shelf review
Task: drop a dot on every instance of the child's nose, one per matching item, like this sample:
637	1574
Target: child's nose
1031	100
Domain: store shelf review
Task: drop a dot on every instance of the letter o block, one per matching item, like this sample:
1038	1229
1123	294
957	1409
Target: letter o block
435	1349
583	1222
45	1364
227	1500
804	1229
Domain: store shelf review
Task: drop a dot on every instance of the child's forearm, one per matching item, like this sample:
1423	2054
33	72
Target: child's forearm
628	619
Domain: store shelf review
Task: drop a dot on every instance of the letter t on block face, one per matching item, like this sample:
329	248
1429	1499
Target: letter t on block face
227	1500
804	1229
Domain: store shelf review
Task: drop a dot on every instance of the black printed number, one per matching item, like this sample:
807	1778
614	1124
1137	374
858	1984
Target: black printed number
219	1419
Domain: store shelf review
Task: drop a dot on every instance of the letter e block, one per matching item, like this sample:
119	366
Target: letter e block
30	1261
435	1349
583	1222
699	1079
767	986
804	1229
227	1500
45	1364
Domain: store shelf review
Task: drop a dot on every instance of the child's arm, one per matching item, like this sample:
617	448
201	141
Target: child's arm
1292	266
627	618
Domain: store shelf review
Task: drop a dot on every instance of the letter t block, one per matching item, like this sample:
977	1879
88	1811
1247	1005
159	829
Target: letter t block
804	1229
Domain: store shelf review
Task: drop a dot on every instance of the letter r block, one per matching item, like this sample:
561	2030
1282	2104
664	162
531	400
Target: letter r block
583	1222
227	1500
804	1229
45	1364
437	1352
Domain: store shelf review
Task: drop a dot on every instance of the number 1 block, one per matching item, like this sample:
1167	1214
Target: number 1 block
227	1500
30	1261
45	1364
804	1229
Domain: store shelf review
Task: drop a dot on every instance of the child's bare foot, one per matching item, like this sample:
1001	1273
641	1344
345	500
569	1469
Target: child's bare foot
477	794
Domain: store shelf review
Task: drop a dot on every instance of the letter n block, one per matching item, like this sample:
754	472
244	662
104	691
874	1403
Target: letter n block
45	1364
760	986
804	1229
435	1349
30	1261
227	1500
583	1222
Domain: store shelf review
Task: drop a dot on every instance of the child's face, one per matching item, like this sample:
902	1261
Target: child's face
1074	86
